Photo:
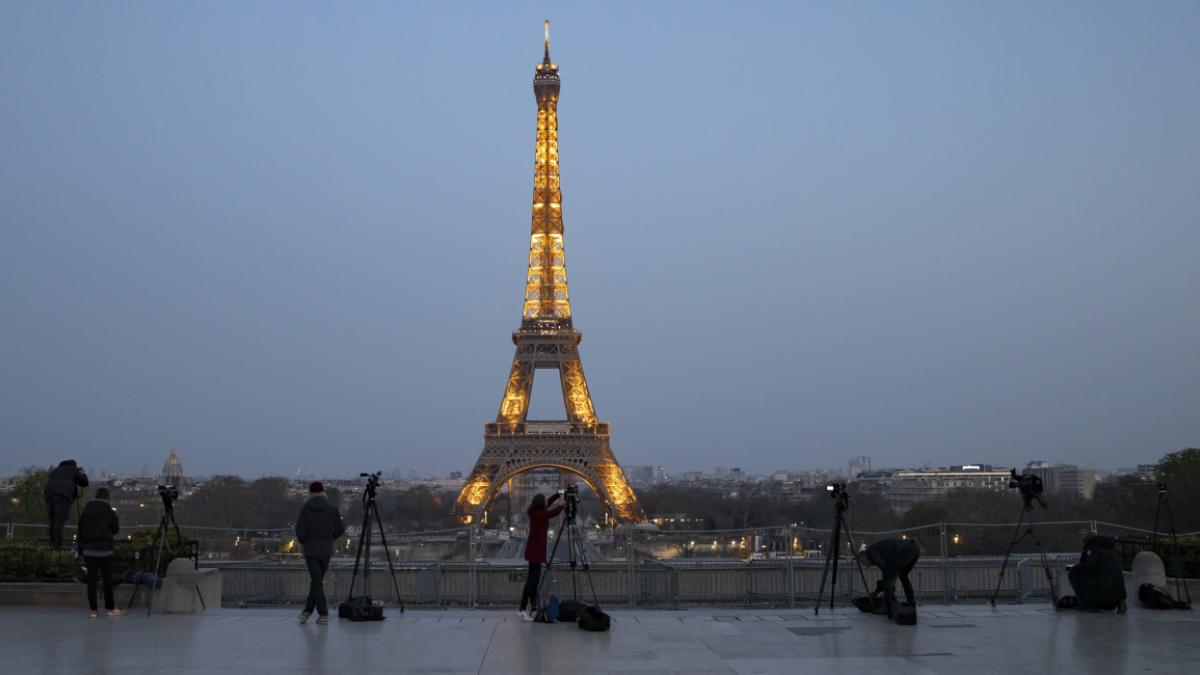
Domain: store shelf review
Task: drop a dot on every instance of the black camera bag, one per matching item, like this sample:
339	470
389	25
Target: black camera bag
569	610
591	618
360	609
1157	597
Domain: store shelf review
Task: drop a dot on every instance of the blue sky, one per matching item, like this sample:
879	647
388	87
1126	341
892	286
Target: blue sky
292	236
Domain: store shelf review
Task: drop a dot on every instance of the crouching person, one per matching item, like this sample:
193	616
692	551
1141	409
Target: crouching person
98	524
895	558
1097	578
317	526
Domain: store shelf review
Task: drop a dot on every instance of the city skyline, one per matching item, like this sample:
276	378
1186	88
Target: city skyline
286	237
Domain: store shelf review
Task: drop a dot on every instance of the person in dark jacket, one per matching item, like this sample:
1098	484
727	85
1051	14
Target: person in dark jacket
535	549
98	524
895	558
318	524
1098	578
60	492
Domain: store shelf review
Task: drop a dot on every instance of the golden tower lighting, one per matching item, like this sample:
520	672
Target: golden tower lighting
547	339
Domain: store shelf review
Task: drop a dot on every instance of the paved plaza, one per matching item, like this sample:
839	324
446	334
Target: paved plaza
955	639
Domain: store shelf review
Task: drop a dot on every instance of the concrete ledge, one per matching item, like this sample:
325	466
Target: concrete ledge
62	595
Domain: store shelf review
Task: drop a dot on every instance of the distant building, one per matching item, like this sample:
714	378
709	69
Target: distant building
1065	478
721	473
172	471
644	475
903	489
859	466
736	474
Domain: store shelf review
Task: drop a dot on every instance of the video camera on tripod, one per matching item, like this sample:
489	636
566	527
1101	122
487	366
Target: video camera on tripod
1029	484
362	607
168	494
570	496
837	492
372	487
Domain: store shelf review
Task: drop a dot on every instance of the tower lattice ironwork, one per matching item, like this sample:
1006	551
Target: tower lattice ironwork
547	340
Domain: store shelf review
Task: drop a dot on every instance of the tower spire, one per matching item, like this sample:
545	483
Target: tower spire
546	297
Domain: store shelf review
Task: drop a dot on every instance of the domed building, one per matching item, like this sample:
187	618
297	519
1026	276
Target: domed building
172	471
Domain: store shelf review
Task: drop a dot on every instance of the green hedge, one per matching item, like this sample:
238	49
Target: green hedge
24	561
1189	555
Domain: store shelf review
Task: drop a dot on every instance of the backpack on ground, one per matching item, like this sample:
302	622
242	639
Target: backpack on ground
1157	597
568	610
550	609
591	618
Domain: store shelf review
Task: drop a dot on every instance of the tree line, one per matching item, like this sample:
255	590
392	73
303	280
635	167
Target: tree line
236	503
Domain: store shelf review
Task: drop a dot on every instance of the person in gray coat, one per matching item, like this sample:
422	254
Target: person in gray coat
317	526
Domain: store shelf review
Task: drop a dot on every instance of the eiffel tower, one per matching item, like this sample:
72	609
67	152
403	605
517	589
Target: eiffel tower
546	339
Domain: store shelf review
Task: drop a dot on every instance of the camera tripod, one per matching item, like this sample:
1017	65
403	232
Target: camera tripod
1027	519
364	539
159	543
576	552
1165	501
840	505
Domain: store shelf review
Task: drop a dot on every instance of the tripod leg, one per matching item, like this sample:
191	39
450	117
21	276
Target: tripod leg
1157	511
858	563
1017	536
835	553
161	537
386	550
824	575
195	560
550	561
582	553
1175	554
1041	547
358	553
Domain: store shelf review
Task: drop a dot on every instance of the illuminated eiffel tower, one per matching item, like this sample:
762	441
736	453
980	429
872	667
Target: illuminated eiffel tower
546	340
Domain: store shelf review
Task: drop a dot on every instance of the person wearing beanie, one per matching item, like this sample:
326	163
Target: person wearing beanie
317	526
98	524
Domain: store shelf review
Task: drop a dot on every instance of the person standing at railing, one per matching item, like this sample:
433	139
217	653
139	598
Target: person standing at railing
60	492
98	524
317	526
895	558
535	549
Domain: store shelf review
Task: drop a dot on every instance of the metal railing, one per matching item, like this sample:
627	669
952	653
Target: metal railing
772	566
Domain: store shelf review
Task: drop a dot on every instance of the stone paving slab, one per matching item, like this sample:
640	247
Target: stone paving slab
950	640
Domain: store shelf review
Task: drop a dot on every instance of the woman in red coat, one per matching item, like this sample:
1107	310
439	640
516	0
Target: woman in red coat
535	549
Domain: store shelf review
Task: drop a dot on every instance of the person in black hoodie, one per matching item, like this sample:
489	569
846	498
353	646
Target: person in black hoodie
98	524
60	493
895	558
1098	578
318	524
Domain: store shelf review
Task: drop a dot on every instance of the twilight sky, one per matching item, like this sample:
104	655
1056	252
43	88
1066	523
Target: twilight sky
292	236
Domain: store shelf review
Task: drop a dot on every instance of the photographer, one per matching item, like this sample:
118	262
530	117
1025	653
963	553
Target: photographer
318	524
98	524
535	549
895	558
60	493
1098	579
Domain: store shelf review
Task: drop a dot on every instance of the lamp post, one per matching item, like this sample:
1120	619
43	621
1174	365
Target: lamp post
15	501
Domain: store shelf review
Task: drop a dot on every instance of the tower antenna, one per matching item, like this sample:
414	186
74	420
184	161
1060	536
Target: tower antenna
547	28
